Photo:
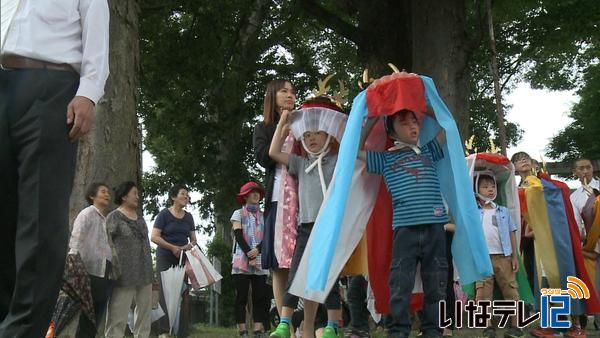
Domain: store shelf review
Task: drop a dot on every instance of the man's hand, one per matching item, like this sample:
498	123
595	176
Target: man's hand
80	112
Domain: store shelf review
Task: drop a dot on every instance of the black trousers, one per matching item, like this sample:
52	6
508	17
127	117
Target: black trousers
260	297
100	293
37	166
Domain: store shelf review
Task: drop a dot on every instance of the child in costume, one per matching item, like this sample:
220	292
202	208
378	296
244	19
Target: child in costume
318	122
547	208
499	230
248	229
419	216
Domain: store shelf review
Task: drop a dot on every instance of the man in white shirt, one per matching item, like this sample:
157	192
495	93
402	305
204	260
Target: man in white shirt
583	169
54	64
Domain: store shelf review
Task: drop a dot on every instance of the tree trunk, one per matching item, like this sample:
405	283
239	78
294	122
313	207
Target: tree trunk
111	152
427	37
440	52
496	76
385	35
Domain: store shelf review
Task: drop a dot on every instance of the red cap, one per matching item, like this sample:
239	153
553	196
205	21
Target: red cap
248	188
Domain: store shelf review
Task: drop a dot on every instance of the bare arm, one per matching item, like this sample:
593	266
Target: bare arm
158	240
371	121
441	136
278	139
590	254
513	244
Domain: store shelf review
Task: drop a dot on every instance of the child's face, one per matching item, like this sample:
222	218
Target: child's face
285	97
406	127
487	189
253	197
523	164
315	140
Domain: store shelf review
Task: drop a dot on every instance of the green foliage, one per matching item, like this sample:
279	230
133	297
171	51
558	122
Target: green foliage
202	93
203	75
580	138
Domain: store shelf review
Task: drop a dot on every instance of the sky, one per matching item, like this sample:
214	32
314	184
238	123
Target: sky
540	113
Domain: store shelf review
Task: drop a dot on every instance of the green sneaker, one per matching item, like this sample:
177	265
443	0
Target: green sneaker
329	332
282	331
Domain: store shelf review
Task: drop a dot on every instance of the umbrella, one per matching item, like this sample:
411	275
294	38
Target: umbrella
172	282
75	294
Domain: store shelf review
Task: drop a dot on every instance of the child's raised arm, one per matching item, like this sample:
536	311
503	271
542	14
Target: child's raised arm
362	154
279	136
441	135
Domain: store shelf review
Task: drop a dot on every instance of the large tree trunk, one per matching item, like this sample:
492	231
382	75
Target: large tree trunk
111	153
440	52
422	36
384	35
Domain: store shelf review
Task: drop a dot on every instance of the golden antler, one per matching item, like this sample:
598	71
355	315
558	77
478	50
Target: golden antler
493	148
394	68
323	88
341	96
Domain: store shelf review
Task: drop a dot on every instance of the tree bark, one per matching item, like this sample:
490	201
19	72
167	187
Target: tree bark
111	152
385	35
440	51
422	36
496	76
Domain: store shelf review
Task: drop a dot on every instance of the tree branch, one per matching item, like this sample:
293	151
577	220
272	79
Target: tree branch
331	20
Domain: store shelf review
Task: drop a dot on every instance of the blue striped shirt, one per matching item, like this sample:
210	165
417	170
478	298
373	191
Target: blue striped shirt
413	183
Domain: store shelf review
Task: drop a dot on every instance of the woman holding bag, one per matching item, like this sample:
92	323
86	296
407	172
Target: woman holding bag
89	238
174	232
248	228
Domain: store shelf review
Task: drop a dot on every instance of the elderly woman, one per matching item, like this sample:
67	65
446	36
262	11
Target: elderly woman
129	235
174	232
90	240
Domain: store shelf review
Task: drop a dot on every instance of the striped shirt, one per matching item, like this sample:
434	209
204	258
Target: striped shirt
413	183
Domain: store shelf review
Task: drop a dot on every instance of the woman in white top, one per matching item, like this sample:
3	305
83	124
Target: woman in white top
89	238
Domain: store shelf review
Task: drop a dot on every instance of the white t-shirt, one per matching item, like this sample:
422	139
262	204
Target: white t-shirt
276	183
579	198
492	235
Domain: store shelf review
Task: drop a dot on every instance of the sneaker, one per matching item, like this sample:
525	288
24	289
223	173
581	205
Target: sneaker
576	332
243	334
541	332
259	334
513	332
282	331
329	332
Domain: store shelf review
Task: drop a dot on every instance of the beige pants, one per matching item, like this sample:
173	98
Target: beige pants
118	309
504	276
